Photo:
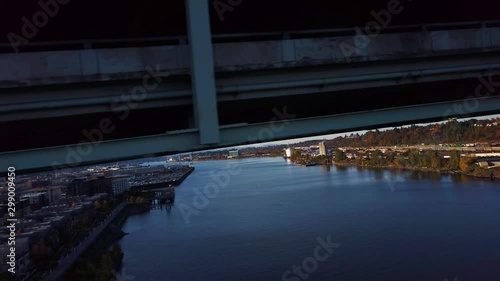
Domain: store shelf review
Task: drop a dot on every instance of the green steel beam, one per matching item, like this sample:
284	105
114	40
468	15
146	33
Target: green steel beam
188	140
202	71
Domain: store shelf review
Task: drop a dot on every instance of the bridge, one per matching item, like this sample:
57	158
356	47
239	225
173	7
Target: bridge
64	104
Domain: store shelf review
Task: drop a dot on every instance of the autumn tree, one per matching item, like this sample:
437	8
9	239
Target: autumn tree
466	163
340	155
454	161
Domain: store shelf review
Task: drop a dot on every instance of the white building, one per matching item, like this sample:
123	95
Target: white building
233	154
288	152
37	198
322	148
119	185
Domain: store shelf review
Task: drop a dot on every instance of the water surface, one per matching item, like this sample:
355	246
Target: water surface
394	226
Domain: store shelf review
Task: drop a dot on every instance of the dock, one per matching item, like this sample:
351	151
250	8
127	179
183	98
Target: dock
163	184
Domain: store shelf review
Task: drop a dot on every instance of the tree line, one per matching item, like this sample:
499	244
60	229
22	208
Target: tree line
450	132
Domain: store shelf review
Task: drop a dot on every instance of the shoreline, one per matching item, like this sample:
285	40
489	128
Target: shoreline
428	170
390	167
482	175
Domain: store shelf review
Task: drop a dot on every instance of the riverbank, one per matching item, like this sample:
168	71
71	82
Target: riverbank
68	266
478	172
422	169
493	173
103	258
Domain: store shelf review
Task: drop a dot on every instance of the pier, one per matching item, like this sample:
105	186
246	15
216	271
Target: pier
163	184
160	195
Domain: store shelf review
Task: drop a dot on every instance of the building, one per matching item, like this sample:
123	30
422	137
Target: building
114	185
322	148
233	154
23	208
80	186
118	185
37	199
99	184
288	152
54	193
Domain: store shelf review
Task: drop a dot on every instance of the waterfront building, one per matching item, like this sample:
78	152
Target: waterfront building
233	154
322	148
114	185
118	185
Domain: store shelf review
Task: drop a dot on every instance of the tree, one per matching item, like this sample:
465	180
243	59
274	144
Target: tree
340	156
398	163
454	162
466	164
296	155
106	263
376	158
435	160
413	157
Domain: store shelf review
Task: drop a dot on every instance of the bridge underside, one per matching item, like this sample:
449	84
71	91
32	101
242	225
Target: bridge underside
71	108
162	129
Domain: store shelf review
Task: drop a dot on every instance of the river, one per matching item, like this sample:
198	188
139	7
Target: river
267	219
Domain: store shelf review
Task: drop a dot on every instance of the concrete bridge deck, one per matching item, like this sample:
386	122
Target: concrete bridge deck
241	52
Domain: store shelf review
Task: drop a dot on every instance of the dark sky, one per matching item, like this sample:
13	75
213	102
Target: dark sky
92	19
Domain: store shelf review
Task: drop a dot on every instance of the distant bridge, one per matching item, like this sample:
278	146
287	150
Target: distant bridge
161	96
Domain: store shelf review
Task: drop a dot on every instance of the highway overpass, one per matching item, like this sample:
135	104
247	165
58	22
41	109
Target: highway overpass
64	104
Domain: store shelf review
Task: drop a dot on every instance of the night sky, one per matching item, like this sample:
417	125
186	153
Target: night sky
94	19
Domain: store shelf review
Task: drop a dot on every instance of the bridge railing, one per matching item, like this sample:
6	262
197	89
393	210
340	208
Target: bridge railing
238	37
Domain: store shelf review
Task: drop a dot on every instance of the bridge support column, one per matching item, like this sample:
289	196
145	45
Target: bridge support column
202	71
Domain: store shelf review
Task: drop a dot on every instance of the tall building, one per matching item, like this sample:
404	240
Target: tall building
322	148
54	193
288	152
119	184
